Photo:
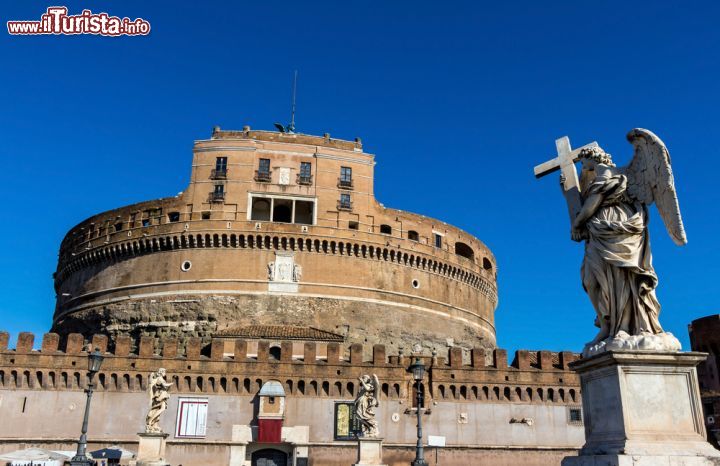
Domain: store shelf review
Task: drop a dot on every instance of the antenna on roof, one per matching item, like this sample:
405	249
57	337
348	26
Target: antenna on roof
290	128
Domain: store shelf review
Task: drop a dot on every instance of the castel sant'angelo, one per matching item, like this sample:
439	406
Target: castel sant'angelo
266	289
277	235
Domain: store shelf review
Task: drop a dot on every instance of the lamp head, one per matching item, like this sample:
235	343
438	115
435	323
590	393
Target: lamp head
418	369
95	360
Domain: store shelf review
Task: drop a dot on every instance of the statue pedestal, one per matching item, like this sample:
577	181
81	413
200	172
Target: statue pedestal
642	408
151	451
369	452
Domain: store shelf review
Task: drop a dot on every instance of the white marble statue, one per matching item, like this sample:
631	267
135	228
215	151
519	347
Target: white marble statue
365	404
612	218
158	393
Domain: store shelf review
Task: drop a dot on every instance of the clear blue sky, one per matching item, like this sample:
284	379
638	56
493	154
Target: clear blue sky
459	100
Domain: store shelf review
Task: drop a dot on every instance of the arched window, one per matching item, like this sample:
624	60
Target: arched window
487	265
413	235
386	229
275	352
463	250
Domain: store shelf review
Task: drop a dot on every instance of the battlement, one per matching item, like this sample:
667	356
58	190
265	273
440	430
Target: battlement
239	367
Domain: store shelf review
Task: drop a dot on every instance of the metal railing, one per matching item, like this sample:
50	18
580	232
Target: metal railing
345	184
263	176
304	179
216	196
344	205
217	174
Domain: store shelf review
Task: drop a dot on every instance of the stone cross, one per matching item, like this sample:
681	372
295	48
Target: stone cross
565	162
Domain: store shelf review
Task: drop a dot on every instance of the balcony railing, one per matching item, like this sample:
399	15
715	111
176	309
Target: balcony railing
345	183
263	176
217	196
218	174
304	179
344	205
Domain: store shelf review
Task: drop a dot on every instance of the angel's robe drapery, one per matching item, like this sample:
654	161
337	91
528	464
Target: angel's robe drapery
617	271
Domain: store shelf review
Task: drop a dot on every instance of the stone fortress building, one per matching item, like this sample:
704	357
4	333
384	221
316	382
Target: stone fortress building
266	289
277	229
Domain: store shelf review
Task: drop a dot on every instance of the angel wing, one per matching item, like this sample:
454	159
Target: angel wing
376	387
650	179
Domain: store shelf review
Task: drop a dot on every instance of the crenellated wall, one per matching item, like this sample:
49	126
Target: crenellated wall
478	400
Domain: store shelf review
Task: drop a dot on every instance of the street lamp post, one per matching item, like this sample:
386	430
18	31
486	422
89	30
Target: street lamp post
418	372
81	458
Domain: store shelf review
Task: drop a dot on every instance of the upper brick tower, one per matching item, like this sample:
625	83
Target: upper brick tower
277	229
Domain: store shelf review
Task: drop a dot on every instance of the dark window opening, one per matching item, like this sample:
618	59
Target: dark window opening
353	225
263	171
575	415
118	226
305	175
487	265
438	240
218	194
206	215
220	171
174	216
275	352
282	211
463	250
345	180
271	400
260	209
344	203
386	229
146	222
304	212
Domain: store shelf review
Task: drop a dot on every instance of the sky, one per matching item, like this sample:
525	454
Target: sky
458	100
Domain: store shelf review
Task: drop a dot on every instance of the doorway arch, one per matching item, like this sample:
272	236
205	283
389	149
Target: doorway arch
269	457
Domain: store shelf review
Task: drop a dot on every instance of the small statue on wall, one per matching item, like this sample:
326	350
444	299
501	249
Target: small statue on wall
271	271
158	392
365	404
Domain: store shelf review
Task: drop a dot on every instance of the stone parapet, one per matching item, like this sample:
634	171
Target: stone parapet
304	371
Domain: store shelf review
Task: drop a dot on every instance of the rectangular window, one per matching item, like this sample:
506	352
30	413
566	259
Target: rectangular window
353	225
346	174
264	166
282	209
344	203
575	416
220	171
263	171
305	175
438	240
174	217
191	417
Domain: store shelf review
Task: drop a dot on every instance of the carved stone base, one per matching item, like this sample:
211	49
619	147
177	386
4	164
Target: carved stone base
642	408
151	451
369	452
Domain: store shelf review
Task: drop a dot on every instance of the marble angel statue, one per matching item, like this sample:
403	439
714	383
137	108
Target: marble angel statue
365	404
617	271
158	393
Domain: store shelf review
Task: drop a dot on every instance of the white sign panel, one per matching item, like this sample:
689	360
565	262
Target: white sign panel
191	417
436	441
